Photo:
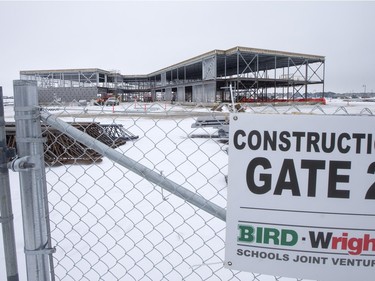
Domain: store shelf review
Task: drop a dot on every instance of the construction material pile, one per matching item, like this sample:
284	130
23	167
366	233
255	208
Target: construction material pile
60	149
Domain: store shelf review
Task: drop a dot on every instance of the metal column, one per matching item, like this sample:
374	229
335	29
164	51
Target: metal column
6	215
30	166
306	77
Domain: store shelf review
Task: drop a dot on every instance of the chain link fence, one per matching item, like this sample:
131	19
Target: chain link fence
110	223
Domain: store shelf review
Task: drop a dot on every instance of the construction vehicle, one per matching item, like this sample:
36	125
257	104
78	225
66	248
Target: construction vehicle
102	98
111	101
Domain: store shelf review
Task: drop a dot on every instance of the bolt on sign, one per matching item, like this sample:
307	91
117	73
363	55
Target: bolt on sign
301	196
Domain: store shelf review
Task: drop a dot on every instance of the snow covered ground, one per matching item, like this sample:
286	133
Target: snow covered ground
110	224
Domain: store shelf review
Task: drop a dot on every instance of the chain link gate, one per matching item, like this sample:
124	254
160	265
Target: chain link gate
109	222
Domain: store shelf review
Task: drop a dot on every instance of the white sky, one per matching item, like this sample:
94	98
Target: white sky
139	37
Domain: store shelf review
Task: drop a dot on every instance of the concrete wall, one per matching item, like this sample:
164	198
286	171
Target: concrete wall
204	93
201	93
181	94
66	94
168	94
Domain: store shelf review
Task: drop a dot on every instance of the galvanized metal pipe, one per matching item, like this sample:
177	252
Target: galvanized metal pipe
6	213
33	185
141	170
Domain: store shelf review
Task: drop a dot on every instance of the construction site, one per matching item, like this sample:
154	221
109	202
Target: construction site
255	75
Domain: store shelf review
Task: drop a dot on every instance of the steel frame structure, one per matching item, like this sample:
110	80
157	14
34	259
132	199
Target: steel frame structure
255	75
74	78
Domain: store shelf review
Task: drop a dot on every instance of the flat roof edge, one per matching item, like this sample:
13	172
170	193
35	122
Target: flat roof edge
45	71
273	52
184	62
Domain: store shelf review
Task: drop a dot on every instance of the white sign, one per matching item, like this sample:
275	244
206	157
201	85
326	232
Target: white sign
301	196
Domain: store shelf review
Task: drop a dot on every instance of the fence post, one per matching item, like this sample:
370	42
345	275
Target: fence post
30	165
6	215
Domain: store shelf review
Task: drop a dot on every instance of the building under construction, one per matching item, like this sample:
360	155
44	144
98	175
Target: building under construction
255	75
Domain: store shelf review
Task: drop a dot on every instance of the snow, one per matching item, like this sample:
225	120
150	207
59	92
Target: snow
110	224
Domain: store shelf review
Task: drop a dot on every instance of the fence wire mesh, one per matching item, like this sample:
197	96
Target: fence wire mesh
108	223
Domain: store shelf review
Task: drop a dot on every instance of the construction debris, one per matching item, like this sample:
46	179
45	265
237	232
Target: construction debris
218	122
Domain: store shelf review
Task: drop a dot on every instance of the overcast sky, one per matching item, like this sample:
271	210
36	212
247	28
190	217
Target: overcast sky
139	37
